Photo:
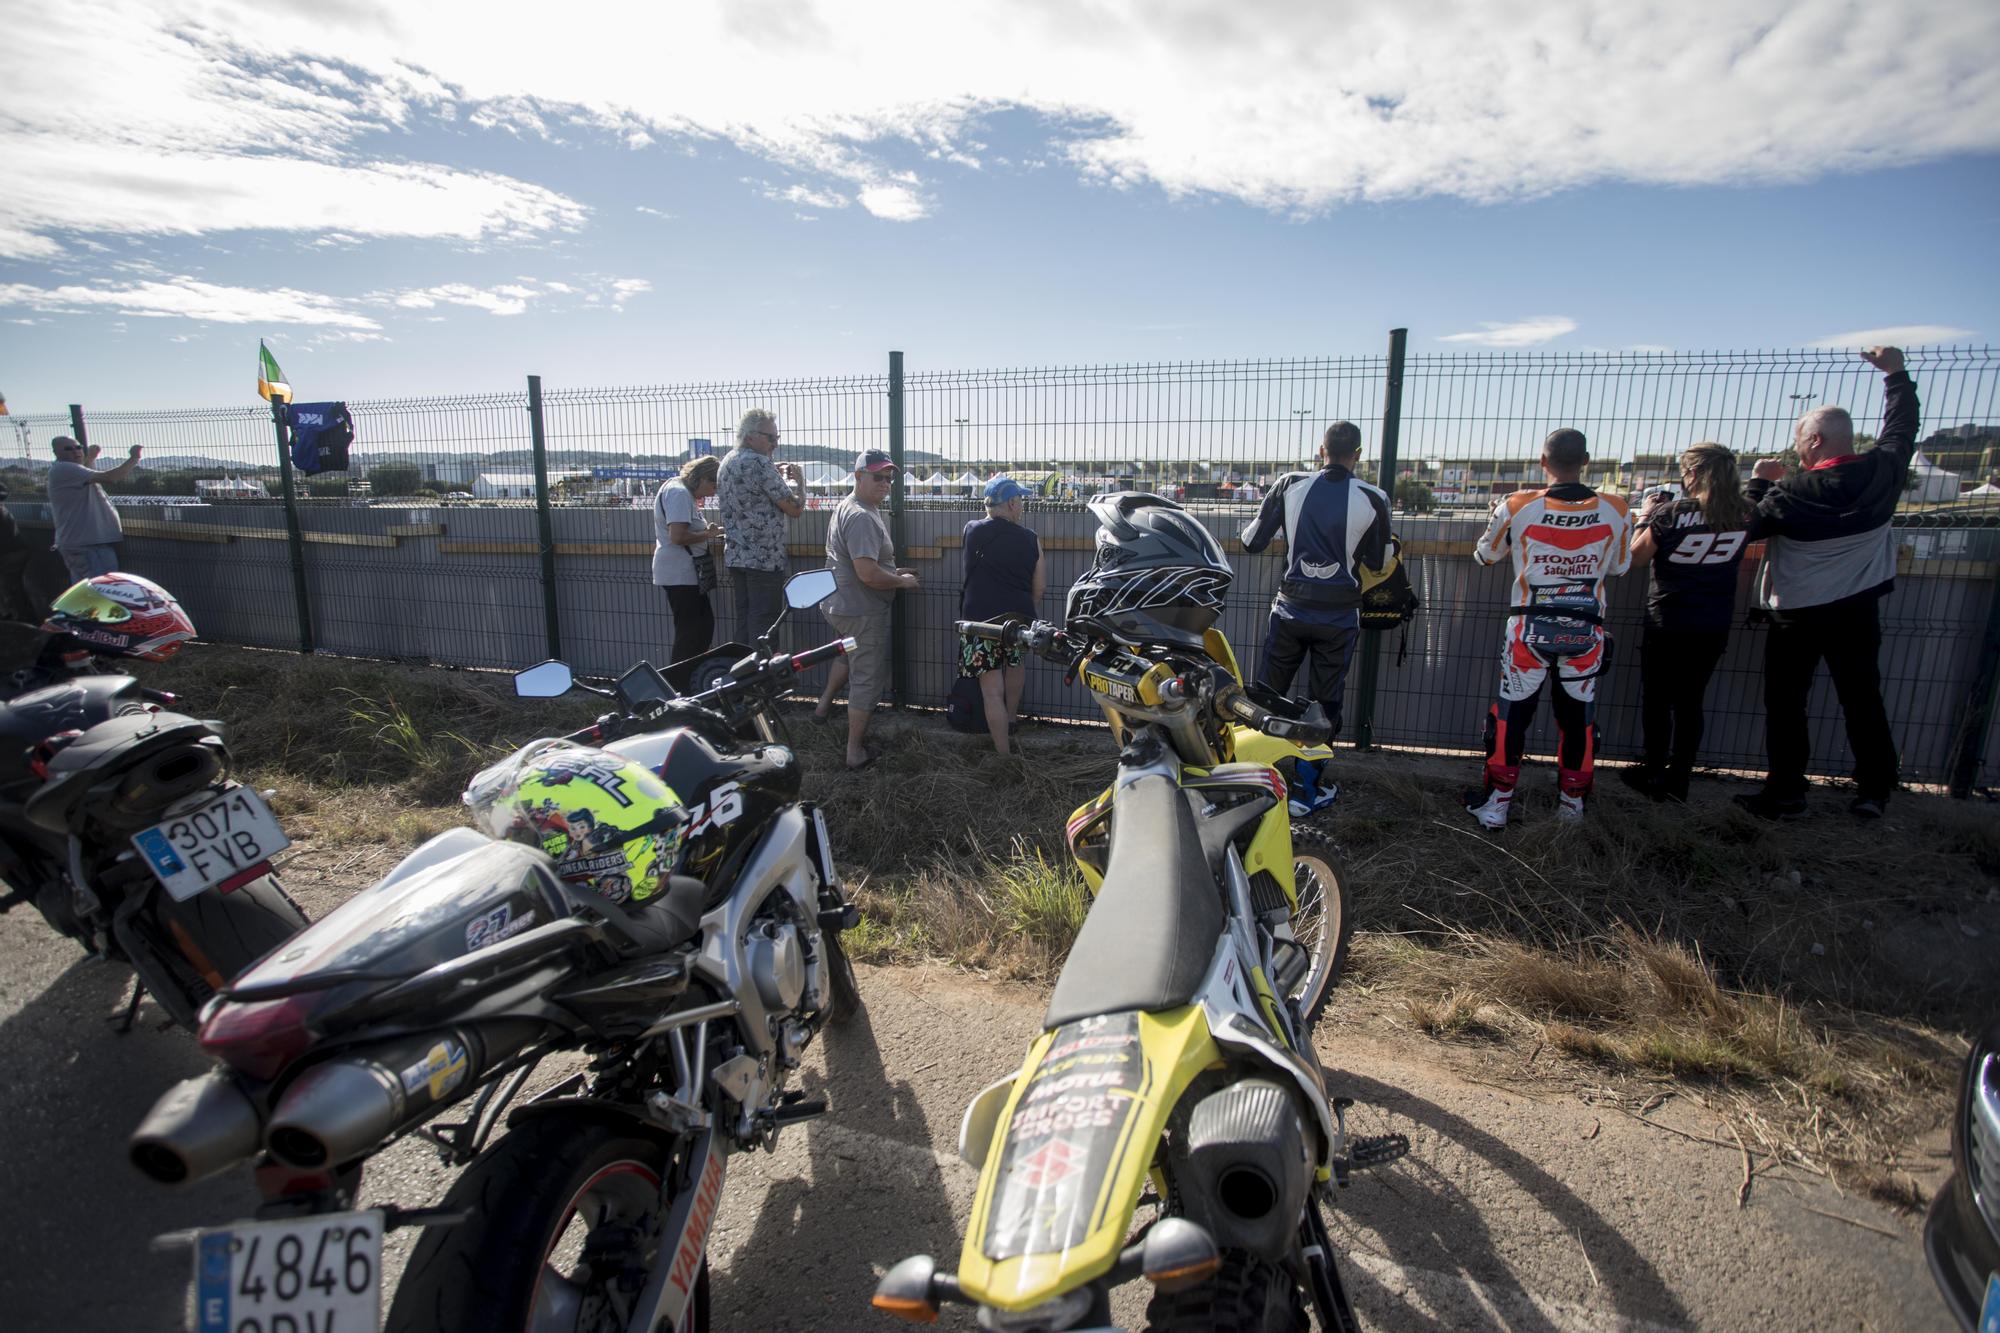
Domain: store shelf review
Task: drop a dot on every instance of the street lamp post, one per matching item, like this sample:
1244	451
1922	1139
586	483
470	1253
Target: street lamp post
961	423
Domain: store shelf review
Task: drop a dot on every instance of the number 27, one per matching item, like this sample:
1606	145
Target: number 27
1707	548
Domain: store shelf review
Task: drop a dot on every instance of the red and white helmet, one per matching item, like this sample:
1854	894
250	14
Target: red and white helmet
122	615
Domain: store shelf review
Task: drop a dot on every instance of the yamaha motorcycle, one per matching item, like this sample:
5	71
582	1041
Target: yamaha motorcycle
120	824
448	982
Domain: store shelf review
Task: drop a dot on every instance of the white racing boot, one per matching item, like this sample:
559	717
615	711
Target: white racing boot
1491	812
1569	809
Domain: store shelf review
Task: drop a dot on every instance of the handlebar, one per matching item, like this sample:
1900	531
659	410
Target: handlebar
752	677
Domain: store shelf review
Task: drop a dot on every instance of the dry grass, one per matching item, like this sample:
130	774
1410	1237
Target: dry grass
1805	977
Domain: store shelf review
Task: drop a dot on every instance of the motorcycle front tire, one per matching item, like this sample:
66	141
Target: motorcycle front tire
520	1198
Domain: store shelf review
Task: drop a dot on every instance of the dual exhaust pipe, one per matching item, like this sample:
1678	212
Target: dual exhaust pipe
334	1113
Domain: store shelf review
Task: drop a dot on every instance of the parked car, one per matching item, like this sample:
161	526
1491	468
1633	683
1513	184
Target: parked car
458	497
1962	1233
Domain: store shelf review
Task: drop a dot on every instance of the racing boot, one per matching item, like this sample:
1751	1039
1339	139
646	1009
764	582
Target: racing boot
1489	807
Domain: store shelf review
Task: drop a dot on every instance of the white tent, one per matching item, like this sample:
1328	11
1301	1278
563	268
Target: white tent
1985	491
826	476
967	481
1930	484
937	479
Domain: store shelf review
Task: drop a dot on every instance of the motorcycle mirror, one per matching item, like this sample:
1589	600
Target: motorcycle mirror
808	589
544	680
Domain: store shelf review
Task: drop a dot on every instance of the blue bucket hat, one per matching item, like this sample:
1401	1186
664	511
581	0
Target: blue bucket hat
1002	489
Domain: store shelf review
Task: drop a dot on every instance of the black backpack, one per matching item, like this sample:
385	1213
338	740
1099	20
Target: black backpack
965	706
1387	598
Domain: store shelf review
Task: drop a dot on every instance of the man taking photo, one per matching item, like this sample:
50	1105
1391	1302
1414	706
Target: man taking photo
1830	558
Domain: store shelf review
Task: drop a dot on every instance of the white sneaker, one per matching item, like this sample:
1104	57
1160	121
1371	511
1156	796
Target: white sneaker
1492	812
1569	809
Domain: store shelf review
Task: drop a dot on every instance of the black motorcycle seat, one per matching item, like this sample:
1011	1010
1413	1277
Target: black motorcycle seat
30	718
665	920
1152	932
81	764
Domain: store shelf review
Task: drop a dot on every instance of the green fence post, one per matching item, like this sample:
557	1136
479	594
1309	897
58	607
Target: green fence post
76	430
545	524
294	538
1385	476
899	659
1979	705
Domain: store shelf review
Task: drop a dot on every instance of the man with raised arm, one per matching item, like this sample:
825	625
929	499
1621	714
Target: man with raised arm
1830	558
87	529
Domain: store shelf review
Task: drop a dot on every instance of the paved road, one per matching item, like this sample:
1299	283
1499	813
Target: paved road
1513	1211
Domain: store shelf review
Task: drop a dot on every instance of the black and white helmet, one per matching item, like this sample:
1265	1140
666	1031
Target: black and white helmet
1158	575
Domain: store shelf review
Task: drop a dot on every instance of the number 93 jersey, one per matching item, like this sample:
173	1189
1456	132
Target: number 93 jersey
1694	570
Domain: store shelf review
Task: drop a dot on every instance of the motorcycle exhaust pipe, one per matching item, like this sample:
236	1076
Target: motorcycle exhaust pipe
199	1127
344	1108
1247	1146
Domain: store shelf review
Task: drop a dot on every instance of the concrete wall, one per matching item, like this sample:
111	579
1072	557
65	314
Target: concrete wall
462	585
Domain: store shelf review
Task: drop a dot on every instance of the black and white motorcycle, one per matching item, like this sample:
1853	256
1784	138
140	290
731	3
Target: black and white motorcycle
693	990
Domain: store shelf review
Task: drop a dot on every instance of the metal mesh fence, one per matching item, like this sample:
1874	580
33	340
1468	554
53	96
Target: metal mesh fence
427	545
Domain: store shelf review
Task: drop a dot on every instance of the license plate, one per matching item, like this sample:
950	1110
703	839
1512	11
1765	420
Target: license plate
230	838
319	1274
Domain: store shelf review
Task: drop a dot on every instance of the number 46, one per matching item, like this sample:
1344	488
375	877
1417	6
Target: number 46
1707	548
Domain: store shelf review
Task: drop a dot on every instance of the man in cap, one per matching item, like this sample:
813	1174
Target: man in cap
866	581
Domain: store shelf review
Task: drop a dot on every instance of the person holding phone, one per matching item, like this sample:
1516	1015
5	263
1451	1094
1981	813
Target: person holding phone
1694	546
88	533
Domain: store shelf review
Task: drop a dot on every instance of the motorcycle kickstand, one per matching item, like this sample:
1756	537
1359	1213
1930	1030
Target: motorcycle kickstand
1329	1293
122	1024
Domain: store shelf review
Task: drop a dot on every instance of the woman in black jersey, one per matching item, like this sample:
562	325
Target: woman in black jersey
1695	547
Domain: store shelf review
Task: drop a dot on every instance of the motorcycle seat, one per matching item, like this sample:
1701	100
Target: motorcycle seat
1152	932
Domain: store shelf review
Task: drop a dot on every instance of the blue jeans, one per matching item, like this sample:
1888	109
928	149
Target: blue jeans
87	562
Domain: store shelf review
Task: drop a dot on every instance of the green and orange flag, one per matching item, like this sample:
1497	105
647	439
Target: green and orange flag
271	381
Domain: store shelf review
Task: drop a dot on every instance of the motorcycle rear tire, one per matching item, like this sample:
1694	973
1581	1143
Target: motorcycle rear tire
221	935
1246	1295
519	1198
1314	849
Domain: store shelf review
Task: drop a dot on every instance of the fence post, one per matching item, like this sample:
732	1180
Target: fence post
294	539
1979	705
545	525
899	658
1385	474
76	430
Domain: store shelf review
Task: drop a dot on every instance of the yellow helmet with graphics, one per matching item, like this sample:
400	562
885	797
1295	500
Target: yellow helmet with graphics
612	825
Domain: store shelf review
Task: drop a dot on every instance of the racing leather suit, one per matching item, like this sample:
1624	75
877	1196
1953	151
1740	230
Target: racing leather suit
1565	542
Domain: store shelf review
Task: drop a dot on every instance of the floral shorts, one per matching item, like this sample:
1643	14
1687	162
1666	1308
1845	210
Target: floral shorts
977	656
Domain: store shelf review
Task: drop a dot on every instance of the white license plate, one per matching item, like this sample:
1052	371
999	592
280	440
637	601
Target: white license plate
319	1274
230	837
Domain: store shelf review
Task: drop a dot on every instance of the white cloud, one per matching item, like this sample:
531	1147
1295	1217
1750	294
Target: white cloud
1896	335
806	196
509	299
654	212
623	289
1530	332
895	203
191	299
205	115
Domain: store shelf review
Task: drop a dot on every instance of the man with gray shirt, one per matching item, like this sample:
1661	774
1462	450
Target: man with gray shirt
87	529
866	581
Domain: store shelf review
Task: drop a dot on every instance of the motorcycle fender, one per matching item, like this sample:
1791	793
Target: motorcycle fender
1068	1155
982	1117
684	1239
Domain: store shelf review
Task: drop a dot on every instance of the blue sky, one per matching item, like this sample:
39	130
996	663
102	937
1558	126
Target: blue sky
406	200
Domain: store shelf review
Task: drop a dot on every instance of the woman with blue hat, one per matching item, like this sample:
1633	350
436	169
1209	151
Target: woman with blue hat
1003	577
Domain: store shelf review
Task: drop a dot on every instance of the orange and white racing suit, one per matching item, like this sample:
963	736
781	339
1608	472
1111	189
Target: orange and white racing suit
1565	542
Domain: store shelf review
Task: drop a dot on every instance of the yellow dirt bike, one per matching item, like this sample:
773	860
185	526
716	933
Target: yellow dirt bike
1307	907
1173	1069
